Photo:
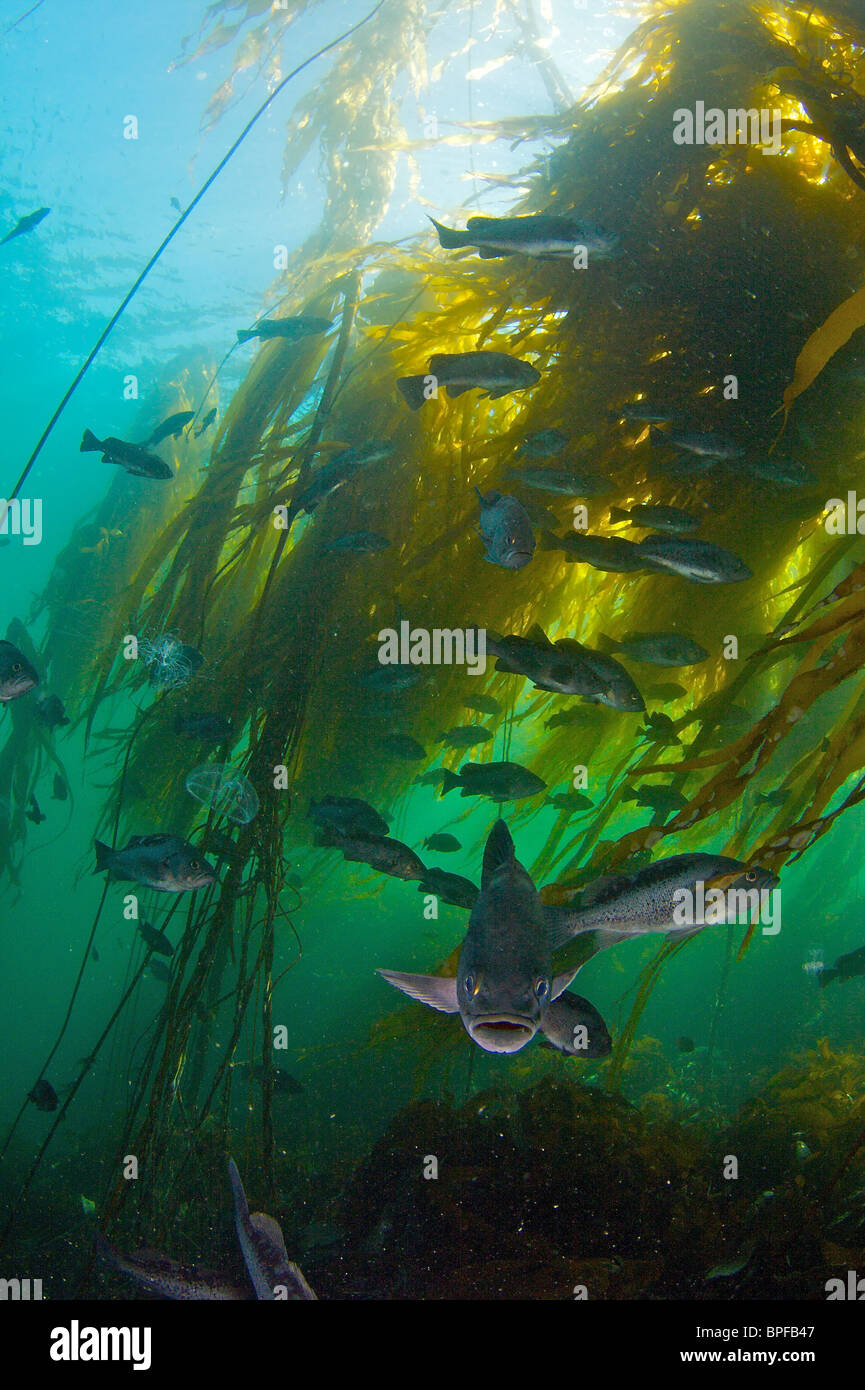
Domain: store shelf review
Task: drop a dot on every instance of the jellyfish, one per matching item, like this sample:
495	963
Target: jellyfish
170	661
225	792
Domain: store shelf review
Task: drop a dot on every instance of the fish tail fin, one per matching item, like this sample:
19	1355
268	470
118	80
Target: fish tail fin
827	976
89	444
607	644
449	781
549	541
412	390
498	851
450	239
104	856
619	514
244	334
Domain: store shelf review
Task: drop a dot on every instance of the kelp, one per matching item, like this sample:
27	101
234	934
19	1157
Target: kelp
729	259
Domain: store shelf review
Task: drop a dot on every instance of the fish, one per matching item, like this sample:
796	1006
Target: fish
562	481
402	746
552	666
17	675
206	422
499	781
645	412
608	553
133	457
663	800
61	790
504	985
165	863
666	691
659	728
341	469
505	530
442	843
544	443
158	1274
44	1096
705	445
495	372
155	940
211	728
348	813
566	717
574	1026
273	1275
847	967
570	801
282	1082
657	648
779	470
451	888
26	224
299	326
543	236
430	778
34	814
389	679
174	426
658	518
484	704
50	711
685	1044
160	972
618	690
699	561
388	856
465	736
358	543
622	906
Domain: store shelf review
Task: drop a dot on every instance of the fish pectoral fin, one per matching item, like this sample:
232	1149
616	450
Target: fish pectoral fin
270	1229
562	924
560	983
606	937
438	991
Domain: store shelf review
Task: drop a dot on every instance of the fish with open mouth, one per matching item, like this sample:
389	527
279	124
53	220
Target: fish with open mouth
504	990
505	530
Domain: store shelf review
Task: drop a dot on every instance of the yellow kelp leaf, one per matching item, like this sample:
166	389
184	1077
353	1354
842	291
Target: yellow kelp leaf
823	344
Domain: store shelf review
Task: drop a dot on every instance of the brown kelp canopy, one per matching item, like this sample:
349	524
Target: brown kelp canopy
729	261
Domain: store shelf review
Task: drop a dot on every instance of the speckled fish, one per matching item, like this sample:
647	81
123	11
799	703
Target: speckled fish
499	781
17	676
174	426
573	1025
542	236
505	530
300	326
563	482
706	445
348	813
386	855
157	1274
274	1277
699	561
451	888
504	984
658	518
656	648
165	863
497	373
465	736
608	553
553	666
134	458
624	906
617	689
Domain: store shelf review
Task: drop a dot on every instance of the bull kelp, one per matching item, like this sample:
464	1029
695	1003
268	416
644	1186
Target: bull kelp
486	608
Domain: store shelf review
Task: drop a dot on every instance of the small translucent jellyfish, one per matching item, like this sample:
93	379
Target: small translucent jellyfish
227	793
169	661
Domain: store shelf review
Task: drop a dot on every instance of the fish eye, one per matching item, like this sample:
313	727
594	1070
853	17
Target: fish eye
195	864
16	668
751	876
542	988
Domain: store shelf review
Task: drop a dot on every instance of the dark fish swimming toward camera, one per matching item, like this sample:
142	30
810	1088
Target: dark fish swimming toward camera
17	675
26	224
172	427
505	530
134	458
504	989
166	863
50	712
499	781
658	518
43	1096
576	1028
543	236
497	373
292	329
699	561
